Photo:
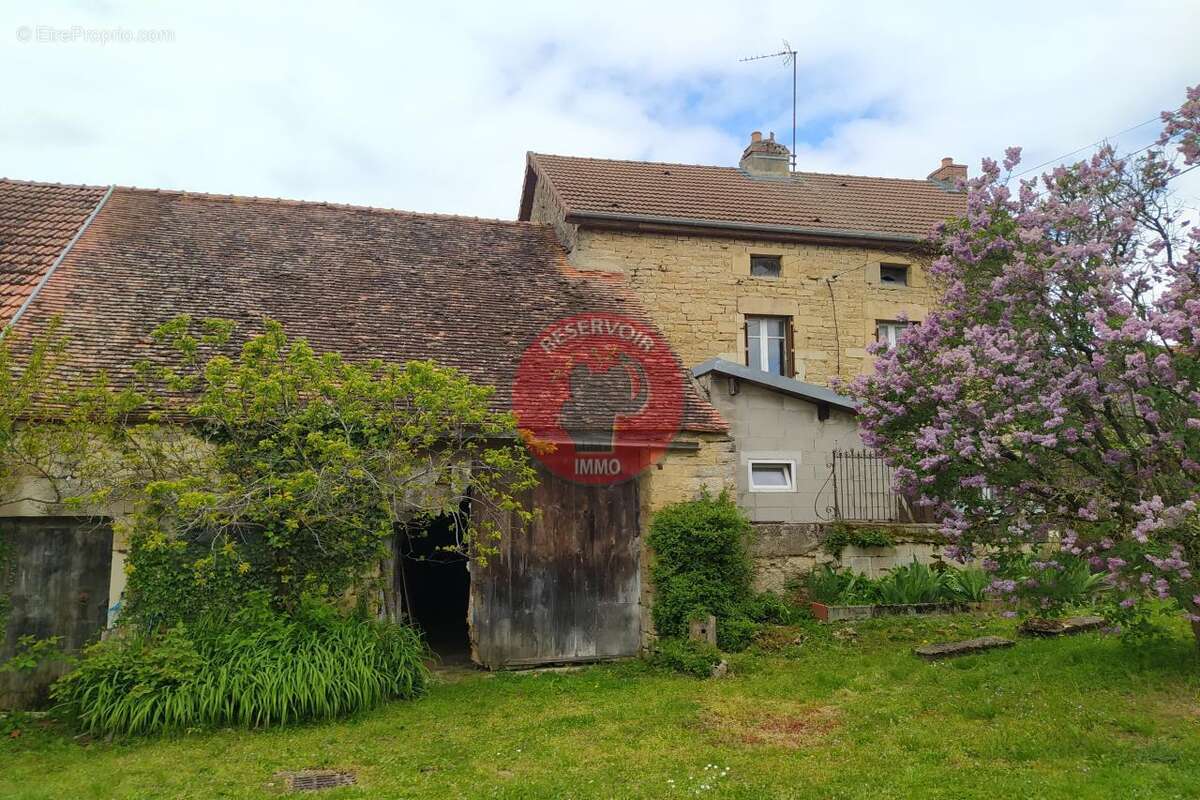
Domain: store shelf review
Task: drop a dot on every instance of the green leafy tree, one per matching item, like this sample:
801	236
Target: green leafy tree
287	470
269	467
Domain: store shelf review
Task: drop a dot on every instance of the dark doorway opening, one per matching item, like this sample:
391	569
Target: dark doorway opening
434	586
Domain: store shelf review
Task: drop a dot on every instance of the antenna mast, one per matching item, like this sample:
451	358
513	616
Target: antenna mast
789	57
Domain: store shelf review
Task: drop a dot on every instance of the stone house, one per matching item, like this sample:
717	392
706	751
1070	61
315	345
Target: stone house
770	284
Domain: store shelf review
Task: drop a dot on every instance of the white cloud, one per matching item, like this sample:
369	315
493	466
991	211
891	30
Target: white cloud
432	109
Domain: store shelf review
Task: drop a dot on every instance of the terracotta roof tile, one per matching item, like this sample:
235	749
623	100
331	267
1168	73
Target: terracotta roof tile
368	283
806	201
37	220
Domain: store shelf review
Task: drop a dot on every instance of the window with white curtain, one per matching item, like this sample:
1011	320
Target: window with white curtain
767	344
888	332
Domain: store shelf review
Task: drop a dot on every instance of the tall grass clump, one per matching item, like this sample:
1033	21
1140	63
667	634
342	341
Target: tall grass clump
254	668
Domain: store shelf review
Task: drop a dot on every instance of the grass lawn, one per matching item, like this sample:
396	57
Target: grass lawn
1084	717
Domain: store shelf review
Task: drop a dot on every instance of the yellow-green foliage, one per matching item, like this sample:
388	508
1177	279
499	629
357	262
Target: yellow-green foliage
302	466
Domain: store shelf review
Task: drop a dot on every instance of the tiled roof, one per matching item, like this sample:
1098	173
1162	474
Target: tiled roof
37	220
368	283
804	202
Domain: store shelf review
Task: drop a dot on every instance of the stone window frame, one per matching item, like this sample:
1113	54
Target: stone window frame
743	253
914	277
777	258
789	463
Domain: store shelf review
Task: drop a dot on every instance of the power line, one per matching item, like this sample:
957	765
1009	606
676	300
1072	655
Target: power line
1183	172
1097	143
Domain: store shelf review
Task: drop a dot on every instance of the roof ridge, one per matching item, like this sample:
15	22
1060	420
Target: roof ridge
291	202
636	161
22	182
798	173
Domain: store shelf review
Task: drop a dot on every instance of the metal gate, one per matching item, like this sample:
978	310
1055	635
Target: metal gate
862	487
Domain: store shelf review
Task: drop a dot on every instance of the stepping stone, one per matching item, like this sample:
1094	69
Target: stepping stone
932	652
1060	627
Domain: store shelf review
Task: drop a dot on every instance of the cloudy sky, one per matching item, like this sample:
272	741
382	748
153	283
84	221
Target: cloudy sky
432	109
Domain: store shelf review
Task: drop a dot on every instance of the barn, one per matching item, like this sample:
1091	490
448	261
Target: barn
111	263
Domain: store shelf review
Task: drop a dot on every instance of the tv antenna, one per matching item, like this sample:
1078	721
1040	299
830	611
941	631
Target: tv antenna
789	57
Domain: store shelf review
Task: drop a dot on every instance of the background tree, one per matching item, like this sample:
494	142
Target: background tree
1056	389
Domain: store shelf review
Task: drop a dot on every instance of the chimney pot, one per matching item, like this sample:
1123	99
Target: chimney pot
765	157
949	172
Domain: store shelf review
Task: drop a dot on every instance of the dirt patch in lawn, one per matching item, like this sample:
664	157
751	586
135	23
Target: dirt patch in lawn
771	723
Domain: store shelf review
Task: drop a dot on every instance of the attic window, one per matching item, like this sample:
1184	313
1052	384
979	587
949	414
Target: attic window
766	266
893	274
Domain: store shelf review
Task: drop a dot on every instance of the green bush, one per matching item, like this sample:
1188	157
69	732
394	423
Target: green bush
911	584
701	564
967	584
736	634
689	656
841	535
253	667
832	586
769	608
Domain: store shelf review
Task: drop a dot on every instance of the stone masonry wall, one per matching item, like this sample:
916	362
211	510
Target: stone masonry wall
783	552
699	290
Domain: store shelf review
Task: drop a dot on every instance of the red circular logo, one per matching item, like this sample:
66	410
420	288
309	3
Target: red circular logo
599	397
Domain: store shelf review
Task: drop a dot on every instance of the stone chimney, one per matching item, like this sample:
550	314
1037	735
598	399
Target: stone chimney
949	172
765	156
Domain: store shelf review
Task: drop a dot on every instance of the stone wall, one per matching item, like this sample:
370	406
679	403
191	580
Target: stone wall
699	290
783	552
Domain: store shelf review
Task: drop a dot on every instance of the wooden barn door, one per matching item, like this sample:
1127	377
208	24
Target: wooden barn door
565	587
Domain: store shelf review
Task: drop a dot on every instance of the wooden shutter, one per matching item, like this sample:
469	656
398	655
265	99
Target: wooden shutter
791	349
746	337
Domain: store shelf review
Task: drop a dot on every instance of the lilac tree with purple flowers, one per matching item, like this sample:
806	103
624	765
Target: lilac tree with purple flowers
1055	393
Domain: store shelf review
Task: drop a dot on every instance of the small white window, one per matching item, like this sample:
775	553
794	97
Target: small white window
893	274
772	476
889	332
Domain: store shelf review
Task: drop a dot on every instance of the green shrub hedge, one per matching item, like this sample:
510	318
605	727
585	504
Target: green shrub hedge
688	656
254	667
702	566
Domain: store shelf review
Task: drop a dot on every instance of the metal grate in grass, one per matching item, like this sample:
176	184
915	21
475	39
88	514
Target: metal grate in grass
311	780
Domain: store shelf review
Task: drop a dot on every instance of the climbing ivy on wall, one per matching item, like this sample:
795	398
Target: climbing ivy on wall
841	536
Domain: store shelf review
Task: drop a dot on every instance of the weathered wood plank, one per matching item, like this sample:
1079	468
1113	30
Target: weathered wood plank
566	586
932	652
